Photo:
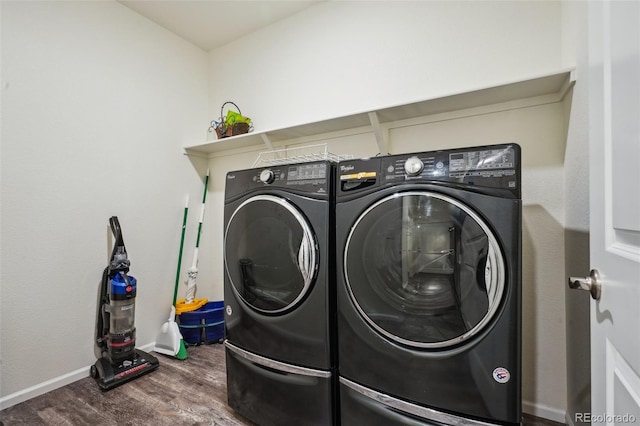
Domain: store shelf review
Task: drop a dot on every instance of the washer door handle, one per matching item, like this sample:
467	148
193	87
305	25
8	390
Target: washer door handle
304	258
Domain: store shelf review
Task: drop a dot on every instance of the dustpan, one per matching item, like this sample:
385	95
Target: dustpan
169	339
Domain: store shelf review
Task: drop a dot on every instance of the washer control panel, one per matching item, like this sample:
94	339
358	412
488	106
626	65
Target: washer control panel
494	166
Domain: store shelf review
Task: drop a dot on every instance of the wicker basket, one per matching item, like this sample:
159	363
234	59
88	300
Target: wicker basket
225	130
233	130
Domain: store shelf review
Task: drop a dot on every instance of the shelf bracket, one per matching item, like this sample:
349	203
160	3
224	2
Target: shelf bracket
568	84
382	135
266	141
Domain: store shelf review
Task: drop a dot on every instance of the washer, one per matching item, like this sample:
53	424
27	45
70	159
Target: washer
279	304
428	249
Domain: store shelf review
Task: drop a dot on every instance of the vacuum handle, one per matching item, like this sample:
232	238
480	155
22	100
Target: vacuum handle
119	259
117	231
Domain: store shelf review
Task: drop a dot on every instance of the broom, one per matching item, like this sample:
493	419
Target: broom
169	340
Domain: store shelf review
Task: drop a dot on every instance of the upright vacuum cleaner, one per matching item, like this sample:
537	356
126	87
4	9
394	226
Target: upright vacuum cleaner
120	361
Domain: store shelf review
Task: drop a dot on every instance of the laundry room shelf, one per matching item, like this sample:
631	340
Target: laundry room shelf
540	89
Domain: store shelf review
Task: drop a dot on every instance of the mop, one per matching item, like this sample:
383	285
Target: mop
169	340
190	303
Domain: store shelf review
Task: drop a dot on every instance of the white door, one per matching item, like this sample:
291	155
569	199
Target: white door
614	115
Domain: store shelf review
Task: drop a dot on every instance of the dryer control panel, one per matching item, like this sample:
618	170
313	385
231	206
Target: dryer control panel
495	166
309	178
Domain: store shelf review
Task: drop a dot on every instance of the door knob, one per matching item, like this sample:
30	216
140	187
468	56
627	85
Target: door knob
591	284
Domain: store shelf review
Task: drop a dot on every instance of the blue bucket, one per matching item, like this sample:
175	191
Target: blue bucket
204	325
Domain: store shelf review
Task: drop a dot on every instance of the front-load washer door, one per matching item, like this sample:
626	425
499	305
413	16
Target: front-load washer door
270	254
424	270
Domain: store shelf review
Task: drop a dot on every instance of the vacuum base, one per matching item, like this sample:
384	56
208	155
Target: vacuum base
108	375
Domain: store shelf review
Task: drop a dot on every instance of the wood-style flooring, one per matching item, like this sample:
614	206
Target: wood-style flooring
188	392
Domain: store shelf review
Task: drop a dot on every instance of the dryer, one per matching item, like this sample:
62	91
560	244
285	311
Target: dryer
428	258
279	294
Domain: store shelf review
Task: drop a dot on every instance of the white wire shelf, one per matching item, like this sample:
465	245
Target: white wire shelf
303	154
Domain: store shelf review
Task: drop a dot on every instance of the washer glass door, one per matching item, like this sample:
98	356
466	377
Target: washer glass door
270	254
423	269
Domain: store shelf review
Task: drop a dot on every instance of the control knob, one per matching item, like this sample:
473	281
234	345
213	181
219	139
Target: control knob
267	176
413	166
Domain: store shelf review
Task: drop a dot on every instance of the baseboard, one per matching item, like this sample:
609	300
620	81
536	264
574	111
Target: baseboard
42	388
53	384
543	411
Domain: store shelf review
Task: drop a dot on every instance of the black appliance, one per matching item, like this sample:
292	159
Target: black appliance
428	258
279	294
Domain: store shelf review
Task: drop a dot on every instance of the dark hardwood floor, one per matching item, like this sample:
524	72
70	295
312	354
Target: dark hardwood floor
189	392
186	392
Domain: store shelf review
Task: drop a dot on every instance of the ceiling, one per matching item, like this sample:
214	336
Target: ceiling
212	23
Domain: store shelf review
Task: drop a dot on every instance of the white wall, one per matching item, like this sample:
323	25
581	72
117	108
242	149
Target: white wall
343	57
576	187
96	104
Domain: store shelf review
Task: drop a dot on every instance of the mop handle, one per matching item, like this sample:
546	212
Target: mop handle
194	265
184	227
204	199
193	271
